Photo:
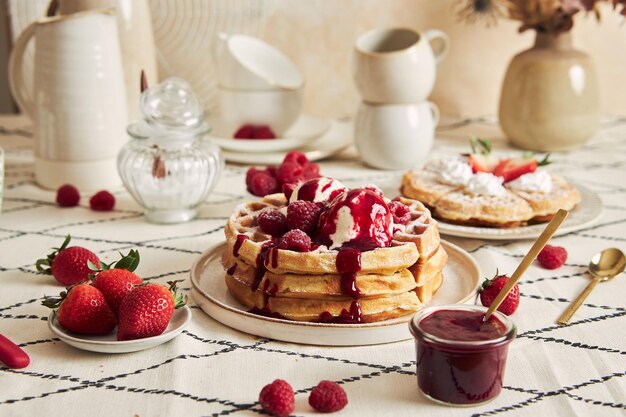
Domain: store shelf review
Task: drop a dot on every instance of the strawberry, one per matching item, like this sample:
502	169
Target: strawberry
481	159
82	309
513	168
68	266
147	309
116	282
491	288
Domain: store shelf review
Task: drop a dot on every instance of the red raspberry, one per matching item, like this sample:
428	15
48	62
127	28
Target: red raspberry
67	196
245	132
272	222
271	169
102	201
289	173
288	190
311	171
552	257
263	184
264	132
303	215
328	397
251	173
295	240
400	213
296	158
278	398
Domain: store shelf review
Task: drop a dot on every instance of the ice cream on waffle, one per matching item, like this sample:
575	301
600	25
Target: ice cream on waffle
480	189
363	257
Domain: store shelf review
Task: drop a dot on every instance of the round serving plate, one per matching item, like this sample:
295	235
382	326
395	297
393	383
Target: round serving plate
461	277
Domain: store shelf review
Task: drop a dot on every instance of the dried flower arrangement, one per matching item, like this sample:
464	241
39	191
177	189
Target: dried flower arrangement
545	16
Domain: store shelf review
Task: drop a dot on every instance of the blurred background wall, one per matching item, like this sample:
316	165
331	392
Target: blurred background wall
319	36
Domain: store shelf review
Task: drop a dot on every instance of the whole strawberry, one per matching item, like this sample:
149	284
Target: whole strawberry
82	309
68	266
491	288
115	283
146	310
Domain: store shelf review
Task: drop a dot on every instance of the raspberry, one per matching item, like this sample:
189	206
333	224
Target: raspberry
288	190
271	169
263	184
400	212
295	240
328	397
552	257
67	196
289	172
311	171
303	215
102	201
264	132
296	158
245	132
278	398
251	173
272	222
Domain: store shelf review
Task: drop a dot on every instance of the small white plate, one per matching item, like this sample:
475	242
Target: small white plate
109	344
337	138
461	278
584	215
304	130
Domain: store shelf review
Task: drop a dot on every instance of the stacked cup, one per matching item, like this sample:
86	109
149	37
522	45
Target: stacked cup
394	70
258	85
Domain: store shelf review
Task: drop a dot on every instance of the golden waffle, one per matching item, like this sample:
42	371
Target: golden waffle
398	256
426	291
544	205
424	186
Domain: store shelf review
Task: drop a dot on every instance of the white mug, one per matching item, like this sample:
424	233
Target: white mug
248	63
78	102
397	65
395	136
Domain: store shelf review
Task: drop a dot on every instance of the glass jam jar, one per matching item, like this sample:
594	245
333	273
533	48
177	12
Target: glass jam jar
460	359
169	167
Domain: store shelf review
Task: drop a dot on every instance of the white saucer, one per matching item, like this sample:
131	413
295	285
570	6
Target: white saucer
461	278
337	138
584	215
109	344
304	130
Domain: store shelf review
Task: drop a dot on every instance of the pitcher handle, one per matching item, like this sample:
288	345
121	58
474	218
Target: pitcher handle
443	40
23	96
435	110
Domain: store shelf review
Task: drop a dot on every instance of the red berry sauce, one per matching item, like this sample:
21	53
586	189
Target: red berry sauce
238	243
348	263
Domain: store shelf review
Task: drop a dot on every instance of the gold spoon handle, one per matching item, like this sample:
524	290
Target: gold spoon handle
571	309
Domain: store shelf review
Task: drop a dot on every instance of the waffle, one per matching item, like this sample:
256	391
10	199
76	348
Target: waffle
513	209
307	286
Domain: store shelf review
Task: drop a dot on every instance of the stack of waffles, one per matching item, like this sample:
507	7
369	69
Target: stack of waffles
344	284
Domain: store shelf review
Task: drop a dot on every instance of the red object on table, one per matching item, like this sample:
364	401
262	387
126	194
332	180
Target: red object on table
12	355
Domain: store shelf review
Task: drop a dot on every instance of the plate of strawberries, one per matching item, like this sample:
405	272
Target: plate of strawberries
107	307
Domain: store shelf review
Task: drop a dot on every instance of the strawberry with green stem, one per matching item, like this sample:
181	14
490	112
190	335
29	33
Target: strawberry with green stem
513	168
481	158
68	265
490	290
117	279
147	309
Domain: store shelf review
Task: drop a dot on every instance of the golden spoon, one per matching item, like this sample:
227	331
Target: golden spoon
603	266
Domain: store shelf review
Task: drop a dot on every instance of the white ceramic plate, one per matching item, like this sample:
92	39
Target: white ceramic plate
304	130
461	277
109	344
583	215
337	138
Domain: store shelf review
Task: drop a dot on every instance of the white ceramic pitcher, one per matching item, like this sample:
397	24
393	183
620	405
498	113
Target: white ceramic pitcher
78	102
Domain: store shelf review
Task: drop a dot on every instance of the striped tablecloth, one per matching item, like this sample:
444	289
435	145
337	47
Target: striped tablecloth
574	370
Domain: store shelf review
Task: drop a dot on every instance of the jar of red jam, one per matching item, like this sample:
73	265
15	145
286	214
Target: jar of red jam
460	358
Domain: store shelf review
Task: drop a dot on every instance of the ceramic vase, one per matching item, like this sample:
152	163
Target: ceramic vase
549	99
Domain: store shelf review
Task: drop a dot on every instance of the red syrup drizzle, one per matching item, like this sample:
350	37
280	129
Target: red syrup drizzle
232	269
266	312
348	263
261	261
355	315
238	243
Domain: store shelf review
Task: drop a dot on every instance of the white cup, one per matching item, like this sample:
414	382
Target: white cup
248	63
278	109
397	65
395	136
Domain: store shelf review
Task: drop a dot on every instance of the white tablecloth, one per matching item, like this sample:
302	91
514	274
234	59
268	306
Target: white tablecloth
573	370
